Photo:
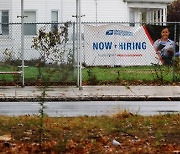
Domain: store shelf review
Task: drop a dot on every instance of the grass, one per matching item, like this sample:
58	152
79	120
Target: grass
92	75
127	73
136	134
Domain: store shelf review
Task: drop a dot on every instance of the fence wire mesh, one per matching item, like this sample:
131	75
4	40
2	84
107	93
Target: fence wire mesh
48	53
111	53
122	53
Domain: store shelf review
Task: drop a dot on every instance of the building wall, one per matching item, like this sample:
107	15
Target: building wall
104	11
6	5
107	10
5	41
147	5
43	9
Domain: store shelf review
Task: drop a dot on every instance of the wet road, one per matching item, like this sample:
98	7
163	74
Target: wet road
90	108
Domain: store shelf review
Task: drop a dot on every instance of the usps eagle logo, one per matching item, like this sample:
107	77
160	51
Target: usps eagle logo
109	32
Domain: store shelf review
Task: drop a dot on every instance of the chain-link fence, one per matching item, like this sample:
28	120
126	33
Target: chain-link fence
49	52
111	53
125	53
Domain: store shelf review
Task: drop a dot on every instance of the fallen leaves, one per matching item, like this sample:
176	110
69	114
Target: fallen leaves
123	133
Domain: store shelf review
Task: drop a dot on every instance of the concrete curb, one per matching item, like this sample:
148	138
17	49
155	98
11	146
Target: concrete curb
90	99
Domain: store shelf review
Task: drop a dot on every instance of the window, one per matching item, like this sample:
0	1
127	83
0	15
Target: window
132	18
54	20
30	23
4	21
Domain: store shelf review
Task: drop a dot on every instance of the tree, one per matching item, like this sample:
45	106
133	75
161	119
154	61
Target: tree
49	43
174	12
52	46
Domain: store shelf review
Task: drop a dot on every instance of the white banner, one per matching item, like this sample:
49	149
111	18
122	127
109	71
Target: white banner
118	45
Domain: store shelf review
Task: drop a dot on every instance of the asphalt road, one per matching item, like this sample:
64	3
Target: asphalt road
90	108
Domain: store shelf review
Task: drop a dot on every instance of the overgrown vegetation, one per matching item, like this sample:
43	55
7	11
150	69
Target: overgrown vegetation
156	74
41	116
50	44
136	134
52	48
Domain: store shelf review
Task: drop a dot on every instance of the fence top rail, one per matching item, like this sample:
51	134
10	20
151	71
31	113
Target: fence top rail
19	23
95	22
136	22
18	72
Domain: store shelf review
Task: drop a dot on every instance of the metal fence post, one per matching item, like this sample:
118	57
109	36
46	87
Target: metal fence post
74	49
80	49
22	39
77	35
174	52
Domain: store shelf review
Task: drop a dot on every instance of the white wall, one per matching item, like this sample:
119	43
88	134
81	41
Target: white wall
68	9
6	5
112	10
107	10
147	5
5	40
43	8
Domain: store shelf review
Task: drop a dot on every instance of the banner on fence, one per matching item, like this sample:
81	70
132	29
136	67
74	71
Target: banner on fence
117	45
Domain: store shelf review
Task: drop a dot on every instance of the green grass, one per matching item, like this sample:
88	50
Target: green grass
91	75
127	73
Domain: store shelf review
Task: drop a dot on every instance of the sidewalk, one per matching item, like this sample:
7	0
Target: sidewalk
91	93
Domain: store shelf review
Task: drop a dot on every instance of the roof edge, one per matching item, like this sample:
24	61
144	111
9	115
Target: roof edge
149	1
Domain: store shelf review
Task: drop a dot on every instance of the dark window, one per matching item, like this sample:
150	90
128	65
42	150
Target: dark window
29	23
54	20
5	23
